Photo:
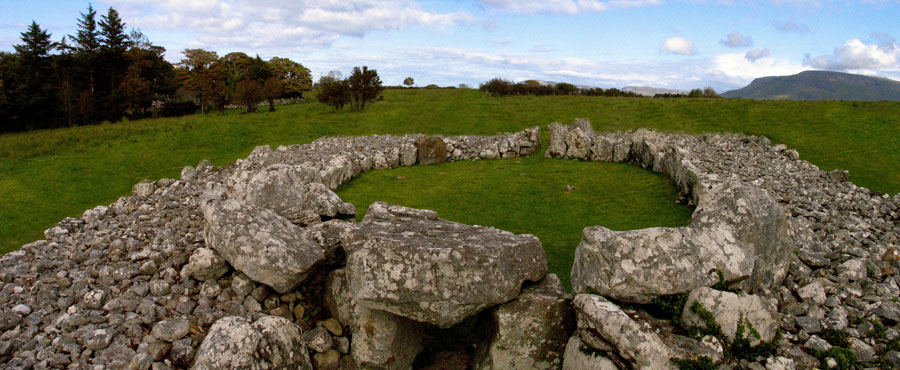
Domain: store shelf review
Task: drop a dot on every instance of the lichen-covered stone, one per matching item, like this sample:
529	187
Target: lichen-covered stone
531	331
728	309
580	356
206	264
437	271
381	340
637	344
258	242
431	149
268	343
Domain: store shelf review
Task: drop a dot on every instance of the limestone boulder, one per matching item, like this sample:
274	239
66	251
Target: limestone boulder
270	342
410	263
329	235
531	331
580	356
558	134
380	340
631	340
260	243
205	264
737	230
293	191
430	149
729	309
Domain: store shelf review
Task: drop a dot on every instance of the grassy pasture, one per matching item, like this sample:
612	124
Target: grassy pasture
48	175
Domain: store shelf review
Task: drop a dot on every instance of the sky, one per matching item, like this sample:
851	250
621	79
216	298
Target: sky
606	43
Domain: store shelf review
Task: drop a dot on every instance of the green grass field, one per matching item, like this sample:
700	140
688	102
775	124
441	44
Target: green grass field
48	175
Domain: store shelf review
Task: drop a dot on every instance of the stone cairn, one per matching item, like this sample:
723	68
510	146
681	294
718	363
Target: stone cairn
261	265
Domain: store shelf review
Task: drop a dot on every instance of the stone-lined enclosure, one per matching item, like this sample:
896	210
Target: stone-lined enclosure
261	265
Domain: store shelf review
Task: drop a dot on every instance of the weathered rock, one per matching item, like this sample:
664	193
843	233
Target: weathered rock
260	243
317	339
737	230
143	188
813	292
268	343
437	271
171	330
328	360
431	149
729	309
531	330
328	235
579	356
383	340
206	264
578	143
557	147
635	343
98	339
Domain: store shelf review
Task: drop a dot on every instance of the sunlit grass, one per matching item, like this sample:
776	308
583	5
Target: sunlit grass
48	175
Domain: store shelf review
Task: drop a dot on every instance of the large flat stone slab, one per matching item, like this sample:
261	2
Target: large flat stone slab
410	263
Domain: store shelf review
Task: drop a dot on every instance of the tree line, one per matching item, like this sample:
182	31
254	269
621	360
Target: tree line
105	73
500	87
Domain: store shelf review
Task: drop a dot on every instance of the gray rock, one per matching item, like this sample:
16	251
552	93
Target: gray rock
268	343
437	271
317	339
729	309
853	270
383	340
737	229
810	325
171	330
813	292
579	356
578	143
98	339
8	319
293	190
206	264
182	353
94	299
531	331
140	361
863	351
817	344
557	147
143	188
634	342
21	309
260	243
888	310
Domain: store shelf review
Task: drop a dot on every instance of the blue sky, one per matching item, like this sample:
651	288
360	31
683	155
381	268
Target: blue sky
606	43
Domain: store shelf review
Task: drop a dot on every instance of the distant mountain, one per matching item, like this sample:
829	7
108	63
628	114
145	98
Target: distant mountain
819	85
651	91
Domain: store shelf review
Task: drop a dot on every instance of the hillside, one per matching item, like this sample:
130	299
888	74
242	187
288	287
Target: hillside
819	85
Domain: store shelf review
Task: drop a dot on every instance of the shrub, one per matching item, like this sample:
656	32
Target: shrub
334	93
497	87
364	86
700	363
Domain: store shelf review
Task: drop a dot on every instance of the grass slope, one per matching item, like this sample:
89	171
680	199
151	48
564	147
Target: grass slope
48	175
819	85
529	196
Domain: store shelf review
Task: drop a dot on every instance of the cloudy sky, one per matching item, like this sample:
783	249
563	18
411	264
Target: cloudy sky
606	43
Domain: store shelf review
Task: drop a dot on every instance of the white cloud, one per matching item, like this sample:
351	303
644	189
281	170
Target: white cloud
736	40
564	6
791	26
678	45
857	55
735	68
281	23
756	54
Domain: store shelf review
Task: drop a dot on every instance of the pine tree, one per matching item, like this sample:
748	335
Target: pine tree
87	39
36	44
112	30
